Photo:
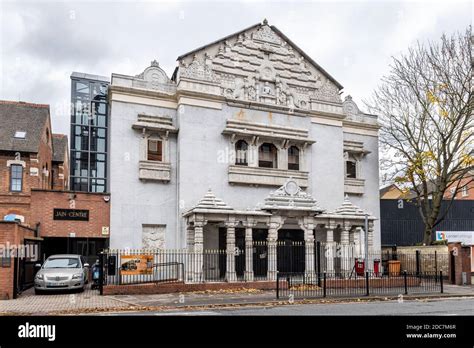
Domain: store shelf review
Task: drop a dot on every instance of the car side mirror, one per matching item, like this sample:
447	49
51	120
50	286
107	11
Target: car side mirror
38	265
86	265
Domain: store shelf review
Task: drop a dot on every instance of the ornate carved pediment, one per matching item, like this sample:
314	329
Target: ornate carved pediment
353	113
154	78
290	196
259	66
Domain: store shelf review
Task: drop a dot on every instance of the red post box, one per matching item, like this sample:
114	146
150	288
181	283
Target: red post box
377	267
359	267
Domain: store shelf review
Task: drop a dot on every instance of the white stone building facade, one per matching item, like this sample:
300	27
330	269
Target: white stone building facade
254	121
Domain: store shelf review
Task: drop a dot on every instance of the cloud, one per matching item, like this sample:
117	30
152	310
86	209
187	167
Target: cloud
41	44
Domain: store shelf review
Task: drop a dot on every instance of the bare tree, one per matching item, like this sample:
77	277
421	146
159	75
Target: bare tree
425	106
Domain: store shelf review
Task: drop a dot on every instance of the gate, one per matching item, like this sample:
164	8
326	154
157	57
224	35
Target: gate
290	256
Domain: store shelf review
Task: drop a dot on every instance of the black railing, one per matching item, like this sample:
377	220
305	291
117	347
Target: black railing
253	263
301	285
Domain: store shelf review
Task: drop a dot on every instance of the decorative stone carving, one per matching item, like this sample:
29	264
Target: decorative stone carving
154	78
198	70
353	114
291	197
153	236
259	66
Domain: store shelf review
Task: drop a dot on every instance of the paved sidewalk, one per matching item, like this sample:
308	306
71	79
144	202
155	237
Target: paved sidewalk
90	302
203	299
29	303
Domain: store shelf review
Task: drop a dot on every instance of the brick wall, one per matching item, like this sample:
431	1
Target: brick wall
462	263
468	182
43	203
14	234
427	260
16	202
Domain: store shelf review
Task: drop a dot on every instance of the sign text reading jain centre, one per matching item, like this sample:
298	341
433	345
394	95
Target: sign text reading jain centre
71	214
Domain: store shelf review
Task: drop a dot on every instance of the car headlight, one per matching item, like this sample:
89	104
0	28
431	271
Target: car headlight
39	277
77	276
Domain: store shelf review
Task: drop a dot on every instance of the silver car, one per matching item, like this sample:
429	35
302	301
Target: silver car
62	272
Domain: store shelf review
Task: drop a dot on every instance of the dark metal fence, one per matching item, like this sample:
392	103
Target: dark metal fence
340	265
300	285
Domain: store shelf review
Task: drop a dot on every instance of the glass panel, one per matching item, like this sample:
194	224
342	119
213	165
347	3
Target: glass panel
80	184
82	87
155	150
97	185
16	177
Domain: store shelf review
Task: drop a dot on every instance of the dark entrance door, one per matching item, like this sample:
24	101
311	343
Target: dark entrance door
260	253
291	251
87	247
239	252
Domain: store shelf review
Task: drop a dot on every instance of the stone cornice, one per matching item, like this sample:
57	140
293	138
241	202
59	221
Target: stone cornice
139	92
360	125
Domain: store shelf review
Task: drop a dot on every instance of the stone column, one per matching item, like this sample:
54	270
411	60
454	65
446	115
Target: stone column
307	225
329	248
252	155
370	243
197	253
345	255
275	224
356	239
230	274
190	237
249	224
282	158
190	250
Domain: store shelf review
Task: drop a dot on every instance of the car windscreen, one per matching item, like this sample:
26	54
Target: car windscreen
66	262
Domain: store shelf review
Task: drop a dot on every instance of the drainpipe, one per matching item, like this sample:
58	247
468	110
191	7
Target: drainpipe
366	229
37	230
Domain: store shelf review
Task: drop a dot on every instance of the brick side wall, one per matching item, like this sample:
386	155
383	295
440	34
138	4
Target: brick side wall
43	203
462	263
60	177
13	234
181	287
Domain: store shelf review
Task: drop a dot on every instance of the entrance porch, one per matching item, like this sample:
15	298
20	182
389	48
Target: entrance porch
290	234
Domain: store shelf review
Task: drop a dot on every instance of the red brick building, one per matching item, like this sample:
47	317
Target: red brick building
36	205
465	188
63	231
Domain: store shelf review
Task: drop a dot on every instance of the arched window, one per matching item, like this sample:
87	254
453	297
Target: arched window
267	156
293	158
241	148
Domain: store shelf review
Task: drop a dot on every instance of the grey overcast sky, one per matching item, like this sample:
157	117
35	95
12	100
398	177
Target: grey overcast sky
42	42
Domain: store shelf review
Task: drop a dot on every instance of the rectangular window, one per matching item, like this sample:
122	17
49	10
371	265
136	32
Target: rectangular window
351	169
16	178
155	152
464	191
